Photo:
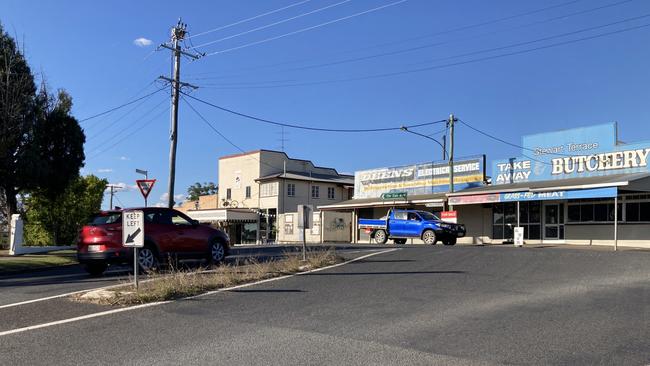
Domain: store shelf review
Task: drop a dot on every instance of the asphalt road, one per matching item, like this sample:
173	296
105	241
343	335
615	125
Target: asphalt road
417	306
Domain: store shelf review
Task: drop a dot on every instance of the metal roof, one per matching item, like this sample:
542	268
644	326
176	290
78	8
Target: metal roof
633	181
313	177
378	202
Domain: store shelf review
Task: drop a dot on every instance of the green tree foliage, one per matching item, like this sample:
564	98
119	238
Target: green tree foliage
57	220
196	190
41	144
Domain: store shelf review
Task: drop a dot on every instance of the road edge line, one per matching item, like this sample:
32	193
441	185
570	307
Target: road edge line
136	307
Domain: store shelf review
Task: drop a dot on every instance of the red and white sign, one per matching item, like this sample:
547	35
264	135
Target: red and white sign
145	186
449	216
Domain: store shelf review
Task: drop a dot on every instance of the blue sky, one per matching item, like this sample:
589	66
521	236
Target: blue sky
88	48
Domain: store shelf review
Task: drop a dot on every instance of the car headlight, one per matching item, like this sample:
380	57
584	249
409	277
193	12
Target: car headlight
445	226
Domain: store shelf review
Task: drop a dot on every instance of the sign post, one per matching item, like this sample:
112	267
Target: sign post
133	236
304	216
145	185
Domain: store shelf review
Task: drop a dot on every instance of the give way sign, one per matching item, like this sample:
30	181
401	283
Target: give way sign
145	186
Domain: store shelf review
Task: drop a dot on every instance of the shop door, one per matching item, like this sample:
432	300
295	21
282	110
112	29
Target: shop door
554	221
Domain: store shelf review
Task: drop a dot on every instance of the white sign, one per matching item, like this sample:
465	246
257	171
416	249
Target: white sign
519	236
133	228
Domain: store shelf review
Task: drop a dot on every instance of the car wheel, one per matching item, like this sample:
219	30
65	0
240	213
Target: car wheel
451	241
217	252
400	241
147	259
429	237
96	269
381	237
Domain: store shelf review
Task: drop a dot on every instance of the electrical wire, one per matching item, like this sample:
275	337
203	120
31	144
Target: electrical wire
465	27
435	67
128	127
249	19
120	106
100	152
222	135
430	45
306	127
306	29
274	23
513	144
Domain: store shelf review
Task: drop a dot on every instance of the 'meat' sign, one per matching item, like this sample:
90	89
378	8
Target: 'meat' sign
145	186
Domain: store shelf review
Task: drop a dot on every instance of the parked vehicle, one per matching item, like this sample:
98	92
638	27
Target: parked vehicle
400	225
167	233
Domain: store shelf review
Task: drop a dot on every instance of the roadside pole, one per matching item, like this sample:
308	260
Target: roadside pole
616	222
133	236
451	121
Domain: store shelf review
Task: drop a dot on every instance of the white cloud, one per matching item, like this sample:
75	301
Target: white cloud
178	199
105	170
142	42
124	158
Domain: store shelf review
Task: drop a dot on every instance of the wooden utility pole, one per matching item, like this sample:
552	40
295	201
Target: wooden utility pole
178	34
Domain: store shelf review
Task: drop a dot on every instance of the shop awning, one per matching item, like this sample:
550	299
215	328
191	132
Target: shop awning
434	200
223	214
588	187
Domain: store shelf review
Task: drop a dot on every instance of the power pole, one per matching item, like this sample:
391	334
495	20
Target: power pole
444	147
112	188
177	34
450	125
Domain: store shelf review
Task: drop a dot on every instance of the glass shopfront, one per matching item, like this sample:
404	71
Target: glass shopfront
504	219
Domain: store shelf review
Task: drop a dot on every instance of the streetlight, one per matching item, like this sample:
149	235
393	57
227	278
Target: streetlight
444	152
146	177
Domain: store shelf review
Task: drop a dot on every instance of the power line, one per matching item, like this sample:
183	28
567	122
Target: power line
470	26
306	29
275	23
115	121
125	129
120	106
411	49
222	135
434	67
513	144
249	19
129	135
306	127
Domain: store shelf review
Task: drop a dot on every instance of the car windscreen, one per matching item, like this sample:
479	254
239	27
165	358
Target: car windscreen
105	218
428	216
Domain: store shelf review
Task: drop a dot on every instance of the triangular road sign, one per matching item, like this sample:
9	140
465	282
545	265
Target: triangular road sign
145	186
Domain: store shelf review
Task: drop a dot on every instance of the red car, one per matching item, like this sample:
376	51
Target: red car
167	233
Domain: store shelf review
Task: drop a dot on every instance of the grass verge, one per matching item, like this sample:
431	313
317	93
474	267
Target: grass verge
179	284
26	262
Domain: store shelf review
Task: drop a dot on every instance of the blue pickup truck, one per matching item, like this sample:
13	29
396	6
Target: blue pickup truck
399	225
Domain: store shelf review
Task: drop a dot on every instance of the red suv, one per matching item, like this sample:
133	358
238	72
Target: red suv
167	233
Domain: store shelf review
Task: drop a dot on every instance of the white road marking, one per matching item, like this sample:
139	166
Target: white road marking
115	311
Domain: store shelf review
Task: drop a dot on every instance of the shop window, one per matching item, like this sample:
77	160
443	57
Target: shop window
586	213
632	211
644	211
595	212
291	190
600	212
330	193
504	218
248	191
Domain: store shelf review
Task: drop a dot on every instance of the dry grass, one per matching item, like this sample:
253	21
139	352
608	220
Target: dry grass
177	284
